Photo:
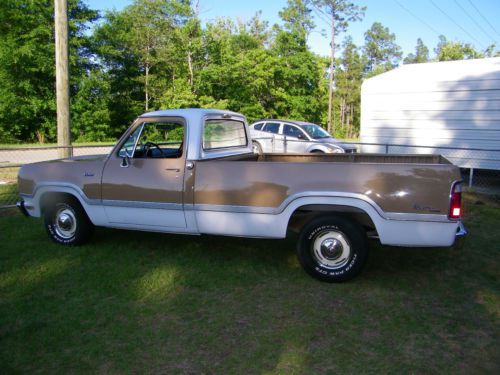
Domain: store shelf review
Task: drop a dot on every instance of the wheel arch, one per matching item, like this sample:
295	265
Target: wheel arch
47	191
51	196
304	214
302	210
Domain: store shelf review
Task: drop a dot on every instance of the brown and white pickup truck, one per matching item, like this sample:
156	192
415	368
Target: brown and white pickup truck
193	171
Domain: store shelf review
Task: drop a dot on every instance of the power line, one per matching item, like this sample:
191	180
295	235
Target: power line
473	20
320	14
483	17
452	20
418	18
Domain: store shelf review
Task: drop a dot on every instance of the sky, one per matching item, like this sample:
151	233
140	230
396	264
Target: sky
472	21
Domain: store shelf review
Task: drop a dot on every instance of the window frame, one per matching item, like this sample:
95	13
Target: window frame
140	123
272	122
296	127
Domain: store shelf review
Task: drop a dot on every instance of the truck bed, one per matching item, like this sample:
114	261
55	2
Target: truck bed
356	158
344	158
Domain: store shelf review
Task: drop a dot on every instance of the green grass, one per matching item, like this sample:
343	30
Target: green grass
133	302
8	186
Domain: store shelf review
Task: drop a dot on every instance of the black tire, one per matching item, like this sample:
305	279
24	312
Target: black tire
257	148
66	222
332	249
317	152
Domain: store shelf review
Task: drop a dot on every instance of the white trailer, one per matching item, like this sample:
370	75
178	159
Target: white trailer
440	105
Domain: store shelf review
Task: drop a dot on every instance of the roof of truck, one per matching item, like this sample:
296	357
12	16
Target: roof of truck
187	112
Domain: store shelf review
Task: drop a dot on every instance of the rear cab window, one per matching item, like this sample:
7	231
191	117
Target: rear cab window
224	133
258	126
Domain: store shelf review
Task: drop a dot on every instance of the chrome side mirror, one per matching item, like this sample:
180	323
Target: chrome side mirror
125	160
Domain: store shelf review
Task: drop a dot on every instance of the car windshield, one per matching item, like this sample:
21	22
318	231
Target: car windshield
315	131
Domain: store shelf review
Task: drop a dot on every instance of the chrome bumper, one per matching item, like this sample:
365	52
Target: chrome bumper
460	236
22	208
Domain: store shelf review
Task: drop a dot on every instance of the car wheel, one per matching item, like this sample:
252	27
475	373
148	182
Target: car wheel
66	222
256	148
317	152
332	249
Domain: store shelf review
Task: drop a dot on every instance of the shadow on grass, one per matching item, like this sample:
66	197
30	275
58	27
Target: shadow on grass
156	303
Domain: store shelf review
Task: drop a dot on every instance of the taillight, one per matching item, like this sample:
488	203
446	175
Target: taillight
455	202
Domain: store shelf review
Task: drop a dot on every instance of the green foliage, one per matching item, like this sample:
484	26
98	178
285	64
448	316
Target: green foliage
381	50
27	65
156	54
447	50
421	54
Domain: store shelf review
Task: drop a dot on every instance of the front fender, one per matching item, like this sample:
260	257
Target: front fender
93	207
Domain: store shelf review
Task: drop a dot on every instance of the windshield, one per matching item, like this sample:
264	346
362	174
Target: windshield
315	131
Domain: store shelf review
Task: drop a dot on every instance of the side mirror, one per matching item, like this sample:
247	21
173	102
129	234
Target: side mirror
300	136
125	160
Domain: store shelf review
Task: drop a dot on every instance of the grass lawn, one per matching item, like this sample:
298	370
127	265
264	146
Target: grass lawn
8	186
132	302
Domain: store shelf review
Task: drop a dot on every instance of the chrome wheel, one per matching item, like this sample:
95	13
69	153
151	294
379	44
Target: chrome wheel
65	222
331	249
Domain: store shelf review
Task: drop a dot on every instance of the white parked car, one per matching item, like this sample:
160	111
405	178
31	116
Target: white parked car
282	136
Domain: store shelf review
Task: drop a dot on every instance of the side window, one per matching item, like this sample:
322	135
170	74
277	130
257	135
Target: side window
272	127
222	133
292	131
258	126
157	140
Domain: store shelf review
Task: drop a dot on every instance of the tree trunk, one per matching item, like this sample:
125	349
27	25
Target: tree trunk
146	87
190	67
330	79
62	78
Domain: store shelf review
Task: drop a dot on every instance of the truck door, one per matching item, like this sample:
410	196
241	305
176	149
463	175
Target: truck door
143	180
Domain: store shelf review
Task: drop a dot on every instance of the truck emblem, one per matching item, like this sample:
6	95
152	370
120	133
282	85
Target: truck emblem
418	207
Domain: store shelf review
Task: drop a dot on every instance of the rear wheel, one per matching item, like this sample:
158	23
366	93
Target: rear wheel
66	222
256	148
332	249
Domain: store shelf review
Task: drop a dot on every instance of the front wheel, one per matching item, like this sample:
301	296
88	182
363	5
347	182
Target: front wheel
332	249
66	222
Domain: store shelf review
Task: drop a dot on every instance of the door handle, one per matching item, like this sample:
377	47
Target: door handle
173	169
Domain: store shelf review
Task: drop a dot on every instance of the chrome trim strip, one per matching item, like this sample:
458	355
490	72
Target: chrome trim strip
142	204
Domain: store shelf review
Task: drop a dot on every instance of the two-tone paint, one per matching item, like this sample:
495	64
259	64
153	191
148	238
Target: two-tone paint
234	192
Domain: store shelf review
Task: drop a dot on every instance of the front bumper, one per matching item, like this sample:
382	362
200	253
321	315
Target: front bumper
22	208
460	235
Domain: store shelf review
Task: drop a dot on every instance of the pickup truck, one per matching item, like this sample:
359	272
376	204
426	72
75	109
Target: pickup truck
193	171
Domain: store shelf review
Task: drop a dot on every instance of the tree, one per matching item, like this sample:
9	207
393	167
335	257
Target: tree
381	49
339	13
27	65
447	50
421	54
298	19
349	78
